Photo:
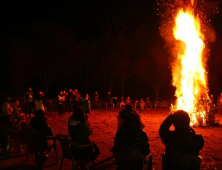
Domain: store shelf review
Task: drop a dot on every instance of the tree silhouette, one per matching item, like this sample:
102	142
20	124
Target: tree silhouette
153	67
122	47
48	49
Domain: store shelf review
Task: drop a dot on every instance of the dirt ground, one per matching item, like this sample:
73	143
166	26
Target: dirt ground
104	125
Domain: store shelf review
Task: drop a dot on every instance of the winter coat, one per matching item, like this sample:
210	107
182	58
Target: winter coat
80	132
185	140
28	96
85	104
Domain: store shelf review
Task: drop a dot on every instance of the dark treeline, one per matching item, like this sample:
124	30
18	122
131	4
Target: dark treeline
113	49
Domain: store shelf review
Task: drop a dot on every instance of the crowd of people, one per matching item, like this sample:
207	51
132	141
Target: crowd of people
130	141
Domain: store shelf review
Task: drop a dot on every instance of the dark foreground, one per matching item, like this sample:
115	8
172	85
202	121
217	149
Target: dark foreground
104	125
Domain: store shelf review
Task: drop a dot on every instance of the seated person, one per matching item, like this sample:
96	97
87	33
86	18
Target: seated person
123	113
80	130
8	123
130	142
16	113
39	123
182	139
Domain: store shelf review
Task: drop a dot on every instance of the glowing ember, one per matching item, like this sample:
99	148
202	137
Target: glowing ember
189	76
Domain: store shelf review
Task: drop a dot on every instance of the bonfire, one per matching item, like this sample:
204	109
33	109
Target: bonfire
189	72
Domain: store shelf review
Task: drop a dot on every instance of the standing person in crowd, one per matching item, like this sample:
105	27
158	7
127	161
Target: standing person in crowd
219	103
142	105
39	101
79	131
61	103
183	138
28	99
130	143
96	100
65	94
69	101
128	101
147	102
109	100
85	104
76	101
39	123
122	103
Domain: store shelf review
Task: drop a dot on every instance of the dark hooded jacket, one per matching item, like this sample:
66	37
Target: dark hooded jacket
80	132
183	140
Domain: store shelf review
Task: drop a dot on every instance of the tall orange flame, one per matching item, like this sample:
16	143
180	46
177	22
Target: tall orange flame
189	75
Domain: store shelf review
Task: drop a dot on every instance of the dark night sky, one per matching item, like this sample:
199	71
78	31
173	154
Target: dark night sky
85	16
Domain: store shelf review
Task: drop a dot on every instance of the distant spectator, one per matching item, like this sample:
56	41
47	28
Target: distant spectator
219	103
64	94
130	141
85	104
122	103
142	105
128	100
183	138
61	103
109	100
39	101
147	103
80	130
76	101
96	100
69	101
28	99
16	113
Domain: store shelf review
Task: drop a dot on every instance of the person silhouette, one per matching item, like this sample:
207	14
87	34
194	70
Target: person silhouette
183	138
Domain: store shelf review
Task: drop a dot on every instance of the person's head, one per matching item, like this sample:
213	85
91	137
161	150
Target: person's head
70	90
78	114
211	95
96	92
129	107
108	92
86	95
76	90
133	120
40	92
221	94
39	113
64	92
16	102
181	120
61	92
30	89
